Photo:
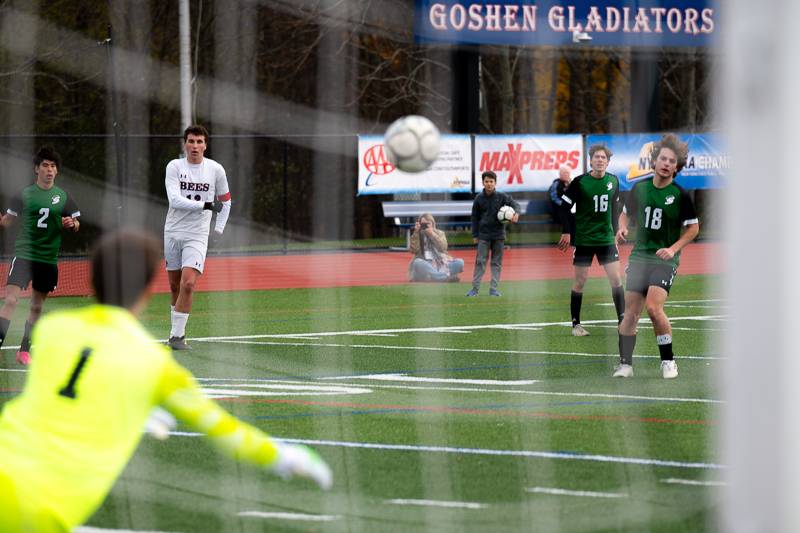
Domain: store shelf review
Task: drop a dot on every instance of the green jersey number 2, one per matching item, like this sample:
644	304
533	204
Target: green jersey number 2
42	222
654	221
600	203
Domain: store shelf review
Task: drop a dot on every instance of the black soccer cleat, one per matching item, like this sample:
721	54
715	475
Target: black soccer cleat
178	343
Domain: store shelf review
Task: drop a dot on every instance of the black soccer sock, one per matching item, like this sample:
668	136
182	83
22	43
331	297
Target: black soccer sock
575	300
665	347
618	295
4	323
626	345
25	345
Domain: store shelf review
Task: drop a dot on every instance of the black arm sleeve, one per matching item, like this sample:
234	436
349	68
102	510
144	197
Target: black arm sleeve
631	205
569	197
616	208
688	213
15	204
71	208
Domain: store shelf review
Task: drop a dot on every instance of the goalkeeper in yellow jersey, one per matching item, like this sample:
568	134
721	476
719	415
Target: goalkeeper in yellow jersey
96	377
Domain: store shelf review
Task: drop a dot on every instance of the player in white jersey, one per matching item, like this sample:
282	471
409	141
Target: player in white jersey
196	186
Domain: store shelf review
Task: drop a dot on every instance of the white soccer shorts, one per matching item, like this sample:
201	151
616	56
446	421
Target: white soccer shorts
182	251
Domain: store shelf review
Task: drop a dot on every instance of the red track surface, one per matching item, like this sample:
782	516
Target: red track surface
348	269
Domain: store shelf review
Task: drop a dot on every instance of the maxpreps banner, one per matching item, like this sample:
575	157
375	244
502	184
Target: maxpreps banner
706	167
451	172
526	162
659	23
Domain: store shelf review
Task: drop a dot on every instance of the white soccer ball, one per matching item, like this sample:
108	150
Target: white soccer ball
505	214
412	143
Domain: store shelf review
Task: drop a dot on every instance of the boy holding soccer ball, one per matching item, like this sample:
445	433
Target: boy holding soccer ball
488	232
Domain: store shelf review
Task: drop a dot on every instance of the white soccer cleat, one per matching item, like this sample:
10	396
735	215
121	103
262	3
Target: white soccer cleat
623	371
160	423
579	331
299	460
669	369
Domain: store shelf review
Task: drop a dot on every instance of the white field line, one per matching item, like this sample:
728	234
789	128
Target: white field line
681	302
484	451
291	516
508	391
678	481
456	381
12	370
225	389
462	350
435	329
674	328
582	493
438	503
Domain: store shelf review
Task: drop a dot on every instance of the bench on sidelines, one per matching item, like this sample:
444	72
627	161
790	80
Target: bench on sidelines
406	213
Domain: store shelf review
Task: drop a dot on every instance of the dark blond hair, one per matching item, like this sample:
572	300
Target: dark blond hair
671	141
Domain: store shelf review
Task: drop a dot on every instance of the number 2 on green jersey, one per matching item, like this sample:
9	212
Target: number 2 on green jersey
42	222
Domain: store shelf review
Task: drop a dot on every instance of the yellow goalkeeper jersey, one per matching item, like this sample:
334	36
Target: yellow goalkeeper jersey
95	376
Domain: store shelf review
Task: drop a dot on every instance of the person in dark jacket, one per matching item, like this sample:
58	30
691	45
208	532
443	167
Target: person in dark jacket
488	232
556	191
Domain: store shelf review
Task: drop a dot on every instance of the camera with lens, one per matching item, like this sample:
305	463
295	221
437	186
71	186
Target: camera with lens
423	225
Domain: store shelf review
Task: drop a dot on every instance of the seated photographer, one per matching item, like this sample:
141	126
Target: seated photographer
429	247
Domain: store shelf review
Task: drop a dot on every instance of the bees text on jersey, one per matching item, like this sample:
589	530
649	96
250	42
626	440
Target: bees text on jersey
188	188
658	215
596	202
39	212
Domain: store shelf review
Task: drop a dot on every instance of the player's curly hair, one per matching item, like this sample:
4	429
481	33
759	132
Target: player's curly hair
124	263
671	141
600	146
47	153
195	129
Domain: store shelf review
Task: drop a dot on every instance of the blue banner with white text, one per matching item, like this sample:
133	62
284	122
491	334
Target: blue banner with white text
638	23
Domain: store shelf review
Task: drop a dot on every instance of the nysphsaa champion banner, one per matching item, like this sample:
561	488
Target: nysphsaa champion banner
706	167
451	172
526	162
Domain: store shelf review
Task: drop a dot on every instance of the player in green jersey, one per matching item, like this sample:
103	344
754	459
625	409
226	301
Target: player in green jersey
44	211
665	220
95	378
595	197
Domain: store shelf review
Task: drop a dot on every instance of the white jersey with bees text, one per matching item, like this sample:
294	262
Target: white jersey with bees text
188	188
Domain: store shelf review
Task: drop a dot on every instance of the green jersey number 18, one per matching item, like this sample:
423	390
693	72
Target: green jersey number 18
653	222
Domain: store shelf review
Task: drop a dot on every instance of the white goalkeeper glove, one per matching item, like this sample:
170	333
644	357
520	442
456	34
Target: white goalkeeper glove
299	460
160	423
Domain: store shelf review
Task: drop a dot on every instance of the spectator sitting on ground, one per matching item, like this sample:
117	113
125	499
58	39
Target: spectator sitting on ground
429	247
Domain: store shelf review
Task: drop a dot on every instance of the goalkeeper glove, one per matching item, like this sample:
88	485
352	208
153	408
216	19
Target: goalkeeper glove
160	423
215	206
299	460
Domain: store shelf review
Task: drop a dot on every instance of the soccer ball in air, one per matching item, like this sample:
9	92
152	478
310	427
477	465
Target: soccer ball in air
505	214
412	143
